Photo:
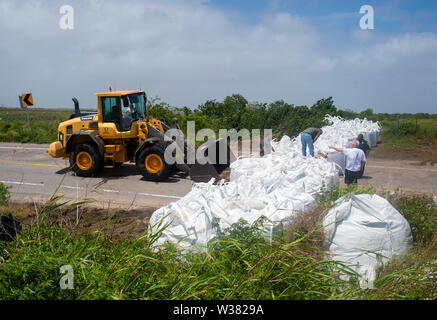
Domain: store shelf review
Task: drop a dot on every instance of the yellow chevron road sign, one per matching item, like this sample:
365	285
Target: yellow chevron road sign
27	99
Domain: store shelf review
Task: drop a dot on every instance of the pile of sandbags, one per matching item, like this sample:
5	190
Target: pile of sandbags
362	231
274	188
339	133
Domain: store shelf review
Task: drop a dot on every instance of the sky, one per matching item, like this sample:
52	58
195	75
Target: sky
189	51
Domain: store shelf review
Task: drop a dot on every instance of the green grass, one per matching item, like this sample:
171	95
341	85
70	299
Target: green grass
410	135
411	277
239	263
45	122
421	213
5	194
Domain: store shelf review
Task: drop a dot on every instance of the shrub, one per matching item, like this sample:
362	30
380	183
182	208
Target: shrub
329	197
406	128
421	213
4	194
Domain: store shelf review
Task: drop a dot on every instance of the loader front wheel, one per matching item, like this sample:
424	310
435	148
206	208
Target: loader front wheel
85	160
152	164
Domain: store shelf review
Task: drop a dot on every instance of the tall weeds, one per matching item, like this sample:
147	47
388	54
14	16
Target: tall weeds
238	264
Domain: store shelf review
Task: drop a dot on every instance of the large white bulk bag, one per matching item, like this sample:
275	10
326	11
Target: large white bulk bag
365	231
338	158
366	136
372	139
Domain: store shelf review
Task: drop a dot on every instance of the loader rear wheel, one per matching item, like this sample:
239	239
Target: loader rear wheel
85	160
152	164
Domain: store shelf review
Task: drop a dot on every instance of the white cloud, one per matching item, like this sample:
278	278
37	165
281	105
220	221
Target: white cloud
187	52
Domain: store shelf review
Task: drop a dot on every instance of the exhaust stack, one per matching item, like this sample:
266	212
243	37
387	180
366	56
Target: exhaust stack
76	107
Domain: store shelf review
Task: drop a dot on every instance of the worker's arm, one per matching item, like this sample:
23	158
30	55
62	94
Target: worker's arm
336	149
319	133
362	165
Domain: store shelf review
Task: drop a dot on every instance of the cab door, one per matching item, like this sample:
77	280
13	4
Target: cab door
109	126
129	125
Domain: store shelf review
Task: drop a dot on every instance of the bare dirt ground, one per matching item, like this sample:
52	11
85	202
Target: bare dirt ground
400	168
86	219
425	153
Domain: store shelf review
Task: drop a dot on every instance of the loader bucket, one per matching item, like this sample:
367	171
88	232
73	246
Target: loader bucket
218	158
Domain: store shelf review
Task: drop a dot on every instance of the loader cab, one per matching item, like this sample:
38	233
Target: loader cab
118	110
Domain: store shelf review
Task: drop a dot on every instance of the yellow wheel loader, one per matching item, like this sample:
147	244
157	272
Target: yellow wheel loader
119	132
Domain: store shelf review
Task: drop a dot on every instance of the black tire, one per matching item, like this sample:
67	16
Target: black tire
141	164
92	151
174	169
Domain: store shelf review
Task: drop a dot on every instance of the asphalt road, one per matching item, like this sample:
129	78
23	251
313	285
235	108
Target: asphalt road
35	176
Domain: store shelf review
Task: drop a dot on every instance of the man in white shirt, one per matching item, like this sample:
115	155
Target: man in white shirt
355	161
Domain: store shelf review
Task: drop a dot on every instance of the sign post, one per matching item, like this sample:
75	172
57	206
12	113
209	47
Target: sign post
26	100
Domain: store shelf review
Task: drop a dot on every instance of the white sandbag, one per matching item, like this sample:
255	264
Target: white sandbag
365	231
338	158
338	132
372	139
189	219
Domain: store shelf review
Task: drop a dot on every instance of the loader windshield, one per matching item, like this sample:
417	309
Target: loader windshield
138	103
134	108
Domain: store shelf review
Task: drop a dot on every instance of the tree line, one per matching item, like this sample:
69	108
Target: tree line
284	118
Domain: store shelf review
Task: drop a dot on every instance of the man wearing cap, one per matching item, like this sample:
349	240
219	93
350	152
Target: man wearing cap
308	137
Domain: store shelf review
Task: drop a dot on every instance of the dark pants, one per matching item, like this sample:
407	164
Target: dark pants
351	176
362	172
